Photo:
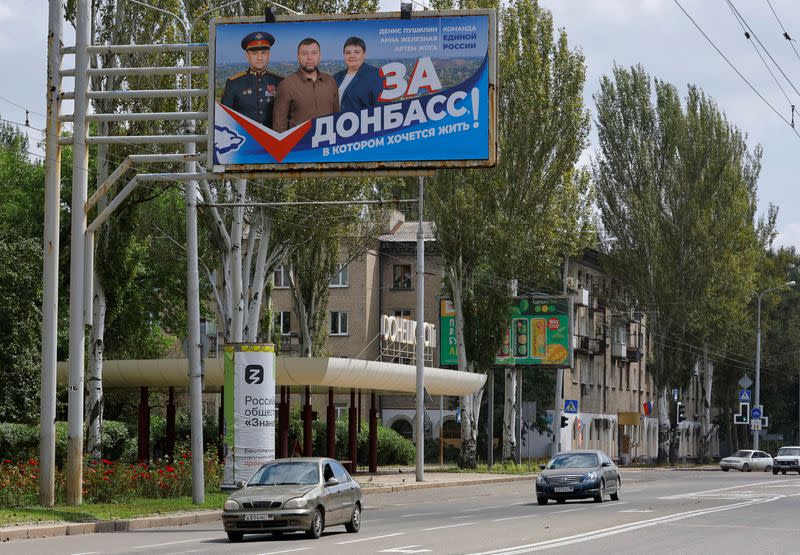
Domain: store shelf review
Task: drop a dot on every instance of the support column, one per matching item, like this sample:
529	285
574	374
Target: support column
490	417
352	436
373	434
221	427
52	203
143	445
283	423
331	425
170	447
77	318
307	422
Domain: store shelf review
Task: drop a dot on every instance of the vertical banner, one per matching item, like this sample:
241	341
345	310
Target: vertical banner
448	356
249	409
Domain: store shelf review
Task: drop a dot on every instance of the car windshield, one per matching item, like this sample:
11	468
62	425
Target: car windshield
742	454
789	452
573	460
286	473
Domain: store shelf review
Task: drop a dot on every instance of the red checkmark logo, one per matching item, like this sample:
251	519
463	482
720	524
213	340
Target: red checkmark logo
278	145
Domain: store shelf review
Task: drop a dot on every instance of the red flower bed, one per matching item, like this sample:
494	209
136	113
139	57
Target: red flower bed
107	481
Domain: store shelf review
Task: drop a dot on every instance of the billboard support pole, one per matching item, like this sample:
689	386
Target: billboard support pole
420	340
52	185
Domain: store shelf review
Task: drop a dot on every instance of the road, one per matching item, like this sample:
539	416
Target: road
659	511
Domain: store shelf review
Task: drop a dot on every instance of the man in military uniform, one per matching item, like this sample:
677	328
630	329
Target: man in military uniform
252	92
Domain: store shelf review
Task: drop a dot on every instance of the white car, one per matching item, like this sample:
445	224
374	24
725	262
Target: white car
788	458
747	460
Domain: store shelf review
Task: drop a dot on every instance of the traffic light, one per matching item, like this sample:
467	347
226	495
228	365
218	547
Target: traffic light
564	421
681	412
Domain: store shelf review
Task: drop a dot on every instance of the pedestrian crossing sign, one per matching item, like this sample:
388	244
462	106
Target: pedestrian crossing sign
571	406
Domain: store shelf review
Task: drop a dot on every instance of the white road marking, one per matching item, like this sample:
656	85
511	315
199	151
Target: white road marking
637	511
448	526
284	551
405	549
486	508
172	543
515	517
619	529
704	492
372	538
631	490
419	514
570	510
86	553
462	516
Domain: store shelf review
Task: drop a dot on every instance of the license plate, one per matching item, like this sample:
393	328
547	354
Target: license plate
563	489
259	516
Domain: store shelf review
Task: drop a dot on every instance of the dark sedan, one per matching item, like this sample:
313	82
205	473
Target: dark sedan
288	495
578	475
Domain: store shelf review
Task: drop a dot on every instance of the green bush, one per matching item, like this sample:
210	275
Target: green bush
21	441
393	449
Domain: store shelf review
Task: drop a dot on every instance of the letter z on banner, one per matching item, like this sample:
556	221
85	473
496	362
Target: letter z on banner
249	409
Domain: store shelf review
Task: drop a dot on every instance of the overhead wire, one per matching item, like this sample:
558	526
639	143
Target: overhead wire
739	73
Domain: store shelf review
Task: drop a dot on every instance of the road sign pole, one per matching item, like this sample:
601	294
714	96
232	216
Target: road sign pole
557	411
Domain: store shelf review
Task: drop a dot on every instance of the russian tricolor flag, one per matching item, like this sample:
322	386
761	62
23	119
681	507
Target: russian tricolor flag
648	407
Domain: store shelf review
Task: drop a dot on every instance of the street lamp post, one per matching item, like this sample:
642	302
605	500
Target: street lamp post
758	294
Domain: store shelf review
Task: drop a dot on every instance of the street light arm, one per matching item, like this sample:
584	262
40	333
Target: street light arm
176	16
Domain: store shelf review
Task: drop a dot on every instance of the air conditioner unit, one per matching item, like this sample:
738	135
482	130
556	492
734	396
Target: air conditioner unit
581	297
571	282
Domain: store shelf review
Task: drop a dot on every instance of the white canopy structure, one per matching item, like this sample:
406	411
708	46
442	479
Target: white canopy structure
344	373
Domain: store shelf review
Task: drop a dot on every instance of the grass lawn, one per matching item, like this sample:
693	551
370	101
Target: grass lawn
89	512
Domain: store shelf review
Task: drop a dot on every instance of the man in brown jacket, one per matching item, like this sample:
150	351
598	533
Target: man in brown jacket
307	93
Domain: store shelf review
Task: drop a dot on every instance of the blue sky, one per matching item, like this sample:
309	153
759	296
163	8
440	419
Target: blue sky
332	35
654	33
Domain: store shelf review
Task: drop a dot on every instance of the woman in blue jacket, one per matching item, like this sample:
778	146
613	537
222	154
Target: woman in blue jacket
360	85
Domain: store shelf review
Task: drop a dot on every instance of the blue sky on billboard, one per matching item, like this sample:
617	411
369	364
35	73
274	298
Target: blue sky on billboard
331	36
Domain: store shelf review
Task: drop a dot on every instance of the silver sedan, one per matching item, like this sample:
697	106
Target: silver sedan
289	495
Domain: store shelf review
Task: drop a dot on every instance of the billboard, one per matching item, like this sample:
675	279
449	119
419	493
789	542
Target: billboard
353	92
539	333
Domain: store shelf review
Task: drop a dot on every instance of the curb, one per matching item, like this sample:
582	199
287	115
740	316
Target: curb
105	526
182	519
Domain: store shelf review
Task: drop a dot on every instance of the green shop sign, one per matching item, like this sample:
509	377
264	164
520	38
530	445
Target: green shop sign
539	333
448	356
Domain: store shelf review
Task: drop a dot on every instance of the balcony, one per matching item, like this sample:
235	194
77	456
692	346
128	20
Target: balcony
634	354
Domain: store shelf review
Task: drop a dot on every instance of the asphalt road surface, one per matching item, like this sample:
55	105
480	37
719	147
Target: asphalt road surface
659	512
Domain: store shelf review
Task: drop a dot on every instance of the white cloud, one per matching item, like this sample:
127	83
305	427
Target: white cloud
5	11
789	236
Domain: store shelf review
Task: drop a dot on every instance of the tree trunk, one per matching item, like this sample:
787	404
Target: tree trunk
664	429
94	399
706	428
510	416
94	383
237	296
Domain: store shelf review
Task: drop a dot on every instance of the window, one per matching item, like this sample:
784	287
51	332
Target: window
283	322
340	279
281	277
338	323
401	276
404	313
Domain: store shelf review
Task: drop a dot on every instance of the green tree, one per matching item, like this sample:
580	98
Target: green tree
520	219
676	189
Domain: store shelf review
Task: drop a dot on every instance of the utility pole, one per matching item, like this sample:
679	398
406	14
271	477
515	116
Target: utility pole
420	339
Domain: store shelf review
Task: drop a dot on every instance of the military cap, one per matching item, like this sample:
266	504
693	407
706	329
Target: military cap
258	41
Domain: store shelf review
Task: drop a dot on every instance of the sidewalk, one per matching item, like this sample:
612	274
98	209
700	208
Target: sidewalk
381	482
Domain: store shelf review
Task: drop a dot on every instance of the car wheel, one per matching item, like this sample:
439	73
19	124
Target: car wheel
355	520
599	498
235	536
784	472
725	469
542	500
615	495
317	525
774	471
561	501
745	467
768	468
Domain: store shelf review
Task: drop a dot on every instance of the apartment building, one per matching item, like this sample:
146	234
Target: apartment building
615	398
